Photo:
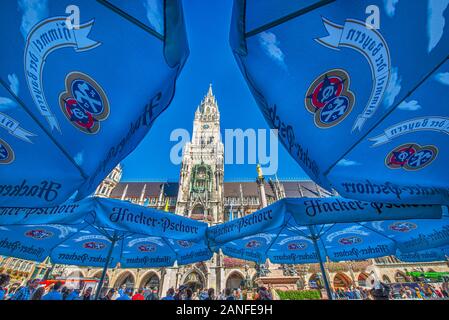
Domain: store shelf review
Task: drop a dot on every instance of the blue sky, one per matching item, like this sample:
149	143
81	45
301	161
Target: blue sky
210	61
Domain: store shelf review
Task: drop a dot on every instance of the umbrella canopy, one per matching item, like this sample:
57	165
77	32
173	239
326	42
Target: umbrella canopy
87	245
328	71
318	211
84	233
81	84
284	232
293	244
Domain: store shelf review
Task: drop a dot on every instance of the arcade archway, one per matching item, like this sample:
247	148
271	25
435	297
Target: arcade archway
125	279
195	281
150	280
361	279
342	281
400	277
315	281
235	280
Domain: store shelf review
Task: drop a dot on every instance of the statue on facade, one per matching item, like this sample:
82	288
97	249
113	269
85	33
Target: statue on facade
289	270
261	270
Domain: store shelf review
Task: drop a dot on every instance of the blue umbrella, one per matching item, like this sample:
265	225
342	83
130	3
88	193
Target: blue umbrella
288	240
81	84
355	89
102	233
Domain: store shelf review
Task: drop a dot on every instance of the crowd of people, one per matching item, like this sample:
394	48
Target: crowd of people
34	290
186	293
382	291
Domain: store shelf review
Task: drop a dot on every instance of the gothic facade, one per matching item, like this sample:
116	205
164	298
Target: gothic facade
202	194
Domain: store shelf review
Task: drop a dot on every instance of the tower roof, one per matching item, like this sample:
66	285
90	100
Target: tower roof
209	100
209	92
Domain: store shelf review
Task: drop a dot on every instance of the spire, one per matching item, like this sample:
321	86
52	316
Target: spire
210	93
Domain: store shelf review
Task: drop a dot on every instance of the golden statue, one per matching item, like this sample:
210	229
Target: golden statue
259	171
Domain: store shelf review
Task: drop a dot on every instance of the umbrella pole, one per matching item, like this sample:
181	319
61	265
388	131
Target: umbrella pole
105	269
323	271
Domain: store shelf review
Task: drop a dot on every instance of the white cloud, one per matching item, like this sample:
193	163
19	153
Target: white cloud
347	163
6	104
436	21
409	106
394	88
390	7
79	158
443	78
154	14
13	83
270	44
33	12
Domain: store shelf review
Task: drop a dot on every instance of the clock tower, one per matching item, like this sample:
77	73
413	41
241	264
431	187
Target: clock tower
200	193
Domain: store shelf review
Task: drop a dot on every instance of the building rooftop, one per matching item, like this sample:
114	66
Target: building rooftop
293	189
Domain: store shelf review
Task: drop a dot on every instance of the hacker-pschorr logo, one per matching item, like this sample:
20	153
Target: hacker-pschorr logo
411	156
6	153
147	248
329	98
402	226
38	234
350	240
84	102
93	245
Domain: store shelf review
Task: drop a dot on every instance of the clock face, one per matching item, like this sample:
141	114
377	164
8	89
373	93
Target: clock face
206	126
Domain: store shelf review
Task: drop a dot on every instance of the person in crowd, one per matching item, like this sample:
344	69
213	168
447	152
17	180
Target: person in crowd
189	294
180	294
121	290
54	293
264	294
109	295
418	293
127	294
203	295
87	294
238	294
228	294
445	293
153	295
26	292
170	294
211	294
74	295
4	281
139	295
38	293
379	291
357	293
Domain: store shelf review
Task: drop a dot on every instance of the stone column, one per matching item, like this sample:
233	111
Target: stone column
261	184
